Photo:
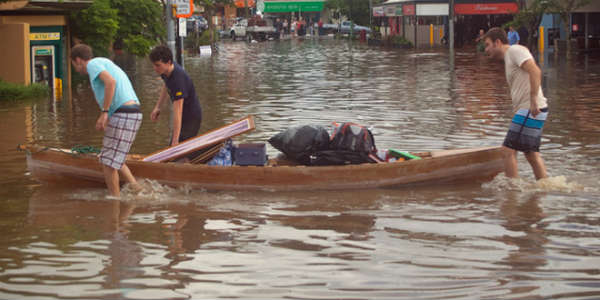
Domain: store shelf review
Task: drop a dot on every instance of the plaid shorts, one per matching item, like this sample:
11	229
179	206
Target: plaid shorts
525	131
118	137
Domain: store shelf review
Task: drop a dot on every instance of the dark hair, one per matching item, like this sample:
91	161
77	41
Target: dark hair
496	33
82	51
162	53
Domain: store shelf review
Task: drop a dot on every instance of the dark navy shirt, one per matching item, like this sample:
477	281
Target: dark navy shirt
180	85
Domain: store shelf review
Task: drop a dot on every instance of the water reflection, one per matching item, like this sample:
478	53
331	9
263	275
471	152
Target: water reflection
503	240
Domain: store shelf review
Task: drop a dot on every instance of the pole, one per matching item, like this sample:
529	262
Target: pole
451	27
371	14
587	32
541	39
170	26
431	35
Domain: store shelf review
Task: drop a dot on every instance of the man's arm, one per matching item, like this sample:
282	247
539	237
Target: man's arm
535	79
177	118
161	100
109	92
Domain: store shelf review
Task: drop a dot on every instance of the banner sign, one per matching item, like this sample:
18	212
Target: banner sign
486	8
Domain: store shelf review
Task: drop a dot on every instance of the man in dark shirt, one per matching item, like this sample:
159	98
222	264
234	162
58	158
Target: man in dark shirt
187	113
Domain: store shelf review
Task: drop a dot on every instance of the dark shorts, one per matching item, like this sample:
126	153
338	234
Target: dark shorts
525	131
118	136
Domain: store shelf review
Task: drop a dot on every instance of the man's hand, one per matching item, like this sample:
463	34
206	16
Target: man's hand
534	110
102	121
155	113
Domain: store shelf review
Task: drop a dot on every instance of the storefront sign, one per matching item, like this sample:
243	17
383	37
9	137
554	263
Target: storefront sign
44	36
408	9
243	3
289	6
440	9
486	8
377	11
390	10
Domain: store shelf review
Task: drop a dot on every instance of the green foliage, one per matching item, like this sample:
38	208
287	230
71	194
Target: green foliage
141	24
138	23
196	40
399	40
96	26
356	10
12	91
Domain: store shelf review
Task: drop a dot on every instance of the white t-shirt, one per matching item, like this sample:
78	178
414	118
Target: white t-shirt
518	79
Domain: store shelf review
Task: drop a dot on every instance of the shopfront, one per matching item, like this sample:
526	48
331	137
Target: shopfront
471	16
39	44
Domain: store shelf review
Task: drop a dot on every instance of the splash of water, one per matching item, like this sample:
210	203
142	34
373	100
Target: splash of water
153	191
550	184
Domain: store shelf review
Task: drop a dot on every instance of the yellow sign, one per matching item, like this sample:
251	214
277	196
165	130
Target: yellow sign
44	36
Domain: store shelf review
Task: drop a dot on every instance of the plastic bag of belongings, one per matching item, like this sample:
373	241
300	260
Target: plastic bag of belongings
349	143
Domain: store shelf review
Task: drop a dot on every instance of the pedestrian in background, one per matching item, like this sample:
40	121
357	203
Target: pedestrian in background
513	36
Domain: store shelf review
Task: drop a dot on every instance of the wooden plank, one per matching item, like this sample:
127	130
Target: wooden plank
210	138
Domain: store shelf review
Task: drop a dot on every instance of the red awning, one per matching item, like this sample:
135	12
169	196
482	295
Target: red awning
486	8
242	3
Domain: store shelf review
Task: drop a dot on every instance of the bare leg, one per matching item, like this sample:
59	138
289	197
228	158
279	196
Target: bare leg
111	176
126	173
537	164
511	169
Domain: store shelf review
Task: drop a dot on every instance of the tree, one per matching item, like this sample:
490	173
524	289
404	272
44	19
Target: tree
141	24
356	10
565	8
530	16
138	23
96	26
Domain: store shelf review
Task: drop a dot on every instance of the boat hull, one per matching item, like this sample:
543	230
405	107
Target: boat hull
482	164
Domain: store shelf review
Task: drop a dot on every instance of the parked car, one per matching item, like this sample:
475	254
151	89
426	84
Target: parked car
196	23
344	28
255	28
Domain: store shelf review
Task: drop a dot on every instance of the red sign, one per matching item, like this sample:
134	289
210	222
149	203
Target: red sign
575	27
486	8
242	3
408	9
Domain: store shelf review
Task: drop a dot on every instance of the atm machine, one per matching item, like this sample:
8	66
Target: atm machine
43	70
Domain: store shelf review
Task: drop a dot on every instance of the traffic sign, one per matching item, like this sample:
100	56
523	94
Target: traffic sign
184	8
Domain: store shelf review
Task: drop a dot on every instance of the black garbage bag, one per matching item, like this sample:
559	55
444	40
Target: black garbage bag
299	142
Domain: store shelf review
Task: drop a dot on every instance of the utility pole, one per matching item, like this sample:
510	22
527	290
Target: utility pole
170	25
451	27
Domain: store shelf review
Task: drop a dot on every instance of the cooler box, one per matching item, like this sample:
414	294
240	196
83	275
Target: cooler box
250	154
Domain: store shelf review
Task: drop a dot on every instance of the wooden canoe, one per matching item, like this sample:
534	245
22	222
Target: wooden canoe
442	166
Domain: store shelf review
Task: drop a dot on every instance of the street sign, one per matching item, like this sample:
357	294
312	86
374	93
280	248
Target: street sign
182	27
184	8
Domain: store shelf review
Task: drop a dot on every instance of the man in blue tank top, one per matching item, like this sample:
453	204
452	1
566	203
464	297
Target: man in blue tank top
187	112
120	118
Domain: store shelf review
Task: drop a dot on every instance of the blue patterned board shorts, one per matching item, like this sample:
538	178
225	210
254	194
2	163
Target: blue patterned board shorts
525	131
118	137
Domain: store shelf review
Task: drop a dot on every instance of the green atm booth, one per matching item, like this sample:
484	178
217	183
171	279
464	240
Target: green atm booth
48	63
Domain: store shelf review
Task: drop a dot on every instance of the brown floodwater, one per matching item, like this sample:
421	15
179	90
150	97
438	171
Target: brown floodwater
497	240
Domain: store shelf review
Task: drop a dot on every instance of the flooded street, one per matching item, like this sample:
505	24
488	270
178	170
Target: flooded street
496	240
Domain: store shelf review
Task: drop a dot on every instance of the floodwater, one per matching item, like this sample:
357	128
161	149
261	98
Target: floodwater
497	240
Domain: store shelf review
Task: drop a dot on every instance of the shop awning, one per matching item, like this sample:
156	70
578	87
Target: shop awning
289	6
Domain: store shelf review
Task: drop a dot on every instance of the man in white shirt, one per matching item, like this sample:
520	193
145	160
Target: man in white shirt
530	107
